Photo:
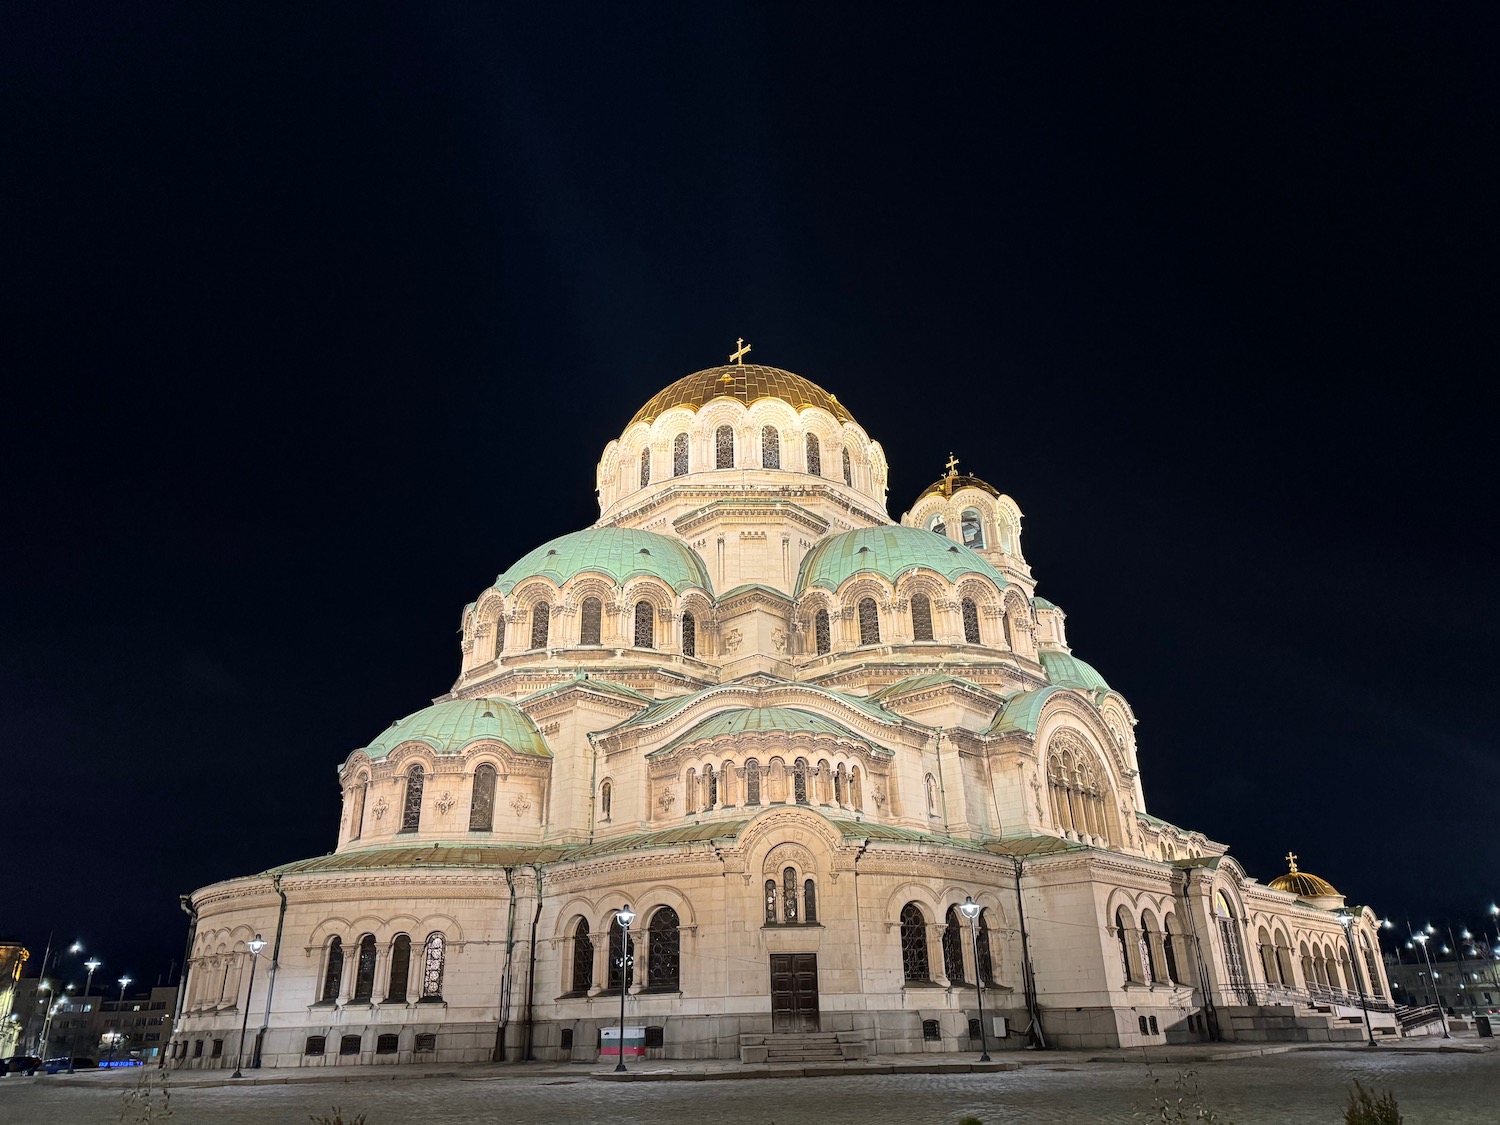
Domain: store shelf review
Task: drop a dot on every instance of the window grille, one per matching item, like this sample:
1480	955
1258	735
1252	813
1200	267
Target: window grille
931	1031
770	902
645	467
971	620
541	614
400	968
689	635
770	447
499	635
953	947
432	968
1123	941
799	781
848	470
976	1029
482	804
411	811
656	1037
218	1049
349	1045
386	1044
333	978
921	617
664	954
821	632
809	901
1154	1025
914	943
982	948
680	455
645	625
426	1041
583	957
710	789
724	447
565	1041
364	972
814	456
590	621
752	782
197	1048
617	958
869	622
1144	1026
789	896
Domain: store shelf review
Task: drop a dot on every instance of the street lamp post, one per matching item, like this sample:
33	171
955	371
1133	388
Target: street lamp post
1348	921
624	916
123	982
255	945
91	964
1422	939
970	910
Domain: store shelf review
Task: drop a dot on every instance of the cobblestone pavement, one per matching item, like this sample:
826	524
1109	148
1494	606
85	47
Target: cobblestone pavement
1303	1086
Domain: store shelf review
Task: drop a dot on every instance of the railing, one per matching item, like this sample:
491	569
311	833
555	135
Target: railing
1415	1017
1283	994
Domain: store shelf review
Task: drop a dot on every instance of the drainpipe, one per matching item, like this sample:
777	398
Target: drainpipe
1028	978
937	747
498	1055
531	969
1209	1013
593	782
275	965
186	902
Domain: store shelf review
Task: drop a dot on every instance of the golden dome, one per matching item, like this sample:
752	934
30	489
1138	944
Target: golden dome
947	486
1301	883
749	382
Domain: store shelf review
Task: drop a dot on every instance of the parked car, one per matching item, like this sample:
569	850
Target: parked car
22	1064
59	1064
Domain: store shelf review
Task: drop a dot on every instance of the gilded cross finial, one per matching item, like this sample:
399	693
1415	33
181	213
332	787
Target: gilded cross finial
739	355
1291	861
952	464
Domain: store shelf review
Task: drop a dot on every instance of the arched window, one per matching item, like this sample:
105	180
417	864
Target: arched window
840	785
689	635
982	950
541	614
364	970
1229	938
848	470
953	947
770	447
583	957
710	788
664	954
914	943
680	455
921	617
937	526
1078	796
814	456
770	902
400	968
645	625
590	623
482	804
645	467
809	901
869	622
752	782
799	781
333	976
724	447
411	809
1169	952
499	635
617	959
972	527
789	895
971	620
432	967
1122	939
357	807
822	638
1370	971
606	798
1146	947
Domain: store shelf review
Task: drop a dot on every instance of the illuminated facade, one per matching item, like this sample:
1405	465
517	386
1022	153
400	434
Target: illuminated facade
794	734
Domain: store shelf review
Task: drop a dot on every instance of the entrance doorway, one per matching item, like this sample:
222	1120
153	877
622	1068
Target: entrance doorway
794	992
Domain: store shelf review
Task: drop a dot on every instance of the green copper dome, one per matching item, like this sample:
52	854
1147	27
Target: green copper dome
620	553
743	720
450	726
1066	670
889	551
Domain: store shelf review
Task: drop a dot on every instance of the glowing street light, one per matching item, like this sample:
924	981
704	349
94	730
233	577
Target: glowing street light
255	945
624	916
971	910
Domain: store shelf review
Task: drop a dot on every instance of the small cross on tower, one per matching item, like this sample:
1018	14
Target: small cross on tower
739	355
952	464
1291	861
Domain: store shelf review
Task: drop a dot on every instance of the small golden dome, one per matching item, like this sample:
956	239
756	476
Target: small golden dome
749	383
1302	884
947	486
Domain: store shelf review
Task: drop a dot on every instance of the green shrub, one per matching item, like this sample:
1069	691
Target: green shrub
970	1121
1365	1108
337	1119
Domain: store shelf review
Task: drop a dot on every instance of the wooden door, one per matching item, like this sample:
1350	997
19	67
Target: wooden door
794	992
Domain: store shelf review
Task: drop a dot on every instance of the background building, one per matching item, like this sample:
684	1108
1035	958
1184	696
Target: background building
13	958
795	735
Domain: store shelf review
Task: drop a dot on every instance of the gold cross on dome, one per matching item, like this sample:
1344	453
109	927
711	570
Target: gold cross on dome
1291	861
739	356
952	465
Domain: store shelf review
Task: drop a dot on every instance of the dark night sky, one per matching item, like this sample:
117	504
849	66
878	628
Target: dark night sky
315	319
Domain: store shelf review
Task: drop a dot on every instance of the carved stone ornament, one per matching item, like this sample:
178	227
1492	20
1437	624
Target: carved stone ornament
520	804
380	809
732	640
444	803
879	797
778	639
667	799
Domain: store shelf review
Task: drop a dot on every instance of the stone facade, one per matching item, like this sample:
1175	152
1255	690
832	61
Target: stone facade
794	735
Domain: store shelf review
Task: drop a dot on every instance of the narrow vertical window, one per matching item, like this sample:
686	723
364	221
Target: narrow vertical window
541	614
591	617
400	968
809	901
645	625
770	447
645	467
411	809
855	798
752	782
953	947
432	967
583	957
689	635
799	781
617	955
814	456
499	635
680	455
848	470
690	792
482	803
869	622
914	943
789	896
333	976
364	971
971	620
822	636
1169	954
710	788
724	447
664	954
1122	939
839	788
982	951
770	903
357	809
606	799
972	527
921	617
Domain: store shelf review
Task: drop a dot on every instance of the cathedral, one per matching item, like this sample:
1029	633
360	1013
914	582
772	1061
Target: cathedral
841	777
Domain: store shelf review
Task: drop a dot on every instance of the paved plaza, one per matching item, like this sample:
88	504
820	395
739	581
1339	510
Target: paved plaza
1297	1086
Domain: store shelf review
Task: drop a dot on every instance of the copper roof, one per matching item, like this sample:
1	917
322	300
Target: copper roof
748	383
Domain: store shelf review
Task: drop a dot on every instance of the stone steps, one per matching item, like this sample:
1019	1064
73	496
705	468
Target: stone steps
802	1047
